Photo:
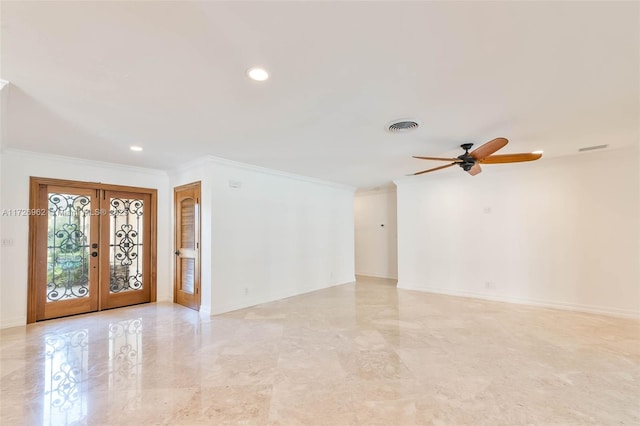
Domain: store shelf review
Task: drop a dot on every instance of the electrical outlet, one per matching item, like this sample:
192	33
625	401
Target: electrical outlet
7	242
246	291
490	285
487	210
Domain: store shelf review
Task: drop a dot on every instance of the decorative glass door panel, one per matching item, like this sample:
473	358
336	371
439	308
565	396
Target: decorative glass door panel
125	268
68	254
92	247
125	246
69	266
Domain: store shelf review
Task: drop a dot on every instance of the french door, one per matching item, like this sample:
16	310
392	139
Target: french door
92	247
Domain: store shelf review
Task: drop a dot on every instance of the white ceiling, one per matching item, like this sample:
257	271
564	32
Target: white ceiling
89	79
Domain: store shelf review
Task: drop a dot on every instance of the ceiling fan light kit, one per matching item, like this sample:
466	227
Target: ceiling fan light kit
470	161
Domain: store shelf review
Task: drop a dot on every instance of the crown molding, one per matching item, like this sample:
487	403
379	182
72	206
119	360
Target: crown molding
388	189
211	160
105	164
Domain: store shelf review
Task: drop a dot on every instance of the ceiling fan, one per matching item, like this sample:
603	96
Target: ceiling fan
470	161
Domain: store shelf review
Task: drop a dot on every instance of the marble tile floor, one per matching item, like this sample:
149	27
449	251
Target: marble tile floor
356	354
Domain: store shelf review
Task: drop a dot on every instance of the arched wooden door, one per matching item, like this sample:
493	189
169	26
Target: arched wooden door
186	288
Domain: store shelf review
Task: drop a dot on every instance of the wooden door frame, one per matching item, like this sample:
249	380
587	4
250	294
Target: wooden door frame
198	282
35	234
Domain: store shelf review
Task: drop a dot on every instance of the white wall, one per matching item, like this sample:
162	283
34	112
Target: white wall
4	93
2	249
276	236
376	245
17	167
560	232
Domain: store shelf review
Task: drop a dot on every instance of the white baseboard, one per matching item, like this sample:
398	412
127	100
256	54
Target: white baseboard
367	274
340	281
13	322
235	307
567	306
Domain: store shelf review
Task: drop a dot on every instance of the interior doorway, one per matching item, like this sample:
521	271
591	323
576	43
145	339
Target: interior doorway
186	287
92	247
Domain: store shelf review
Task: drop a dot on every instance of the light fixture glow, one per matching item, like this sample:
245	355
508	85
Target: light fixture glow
538	152
135	148
257	74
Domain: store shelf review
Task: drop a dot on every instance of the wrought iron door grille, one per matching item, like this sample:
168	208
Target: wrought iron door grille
67	246
126	216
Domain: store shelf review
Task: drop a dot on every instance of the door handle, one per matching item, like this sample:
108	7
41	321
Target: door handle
177	252
94	254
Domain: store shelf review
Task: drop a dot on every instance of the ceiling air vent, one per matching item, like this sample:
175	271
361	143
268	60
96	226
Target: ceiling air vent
591	148
402	126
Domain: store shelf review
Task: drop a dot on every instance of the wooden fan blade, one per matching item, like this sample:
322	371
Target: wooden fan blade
433	170
488	148
475	169
510	158
436	158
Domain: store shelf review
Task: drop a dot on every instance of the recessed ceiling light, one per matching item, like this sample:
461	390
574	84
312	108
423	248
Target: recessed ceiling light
257	74
538	152
135	148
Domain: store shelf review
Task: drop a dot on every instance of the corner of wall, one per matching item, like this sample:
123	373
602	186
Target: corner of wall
205	310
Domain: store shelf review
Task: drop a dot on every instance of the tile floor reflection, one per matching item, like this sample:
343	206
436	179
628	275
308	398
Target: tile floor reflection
125	353
362	353
65	378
